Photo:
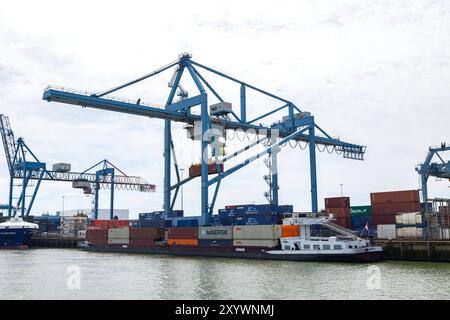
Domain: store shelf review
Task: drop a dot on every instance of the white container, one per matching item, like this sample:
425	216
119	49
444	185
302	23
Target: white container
386	231
410	232
119	233
118	241
409	218
216	233
446	233
256	243
258	232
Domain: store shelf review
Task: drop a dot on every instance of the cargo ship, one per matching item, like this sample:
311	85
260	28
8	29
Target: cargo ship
16	233
291	241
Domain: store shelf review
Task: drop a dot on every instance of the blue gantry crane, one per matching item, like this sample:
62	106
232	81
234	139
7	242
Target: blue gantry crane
428	169
296	126
25	166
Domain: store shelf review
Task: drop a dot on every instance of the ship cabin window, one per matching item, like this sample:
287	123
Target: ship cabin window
287	247
306	247
316	247
337	247
326	247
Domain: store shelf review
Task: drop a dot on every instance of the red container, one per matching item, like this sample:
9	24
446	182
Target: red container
338	202
141	242
383	219
183	233
99	242
109	224
339	212
196	170
395	197
146	233
395	208
97	234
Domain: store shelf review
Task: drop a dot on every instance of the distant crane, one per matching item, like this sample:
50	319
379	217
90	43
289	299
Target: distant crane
24	165
428	169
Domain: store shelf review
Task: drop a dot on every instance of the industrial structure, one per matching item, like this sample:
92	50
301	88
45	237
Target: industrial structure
209	127
25	166
428	169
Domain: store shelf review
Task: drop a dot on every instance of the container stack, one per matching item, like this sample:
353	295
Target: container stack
215	236
264	236
182	236
253	214
340	208
156	219
48	223
119	236
70	226
97	237
386	205
410	225
145	237
108	224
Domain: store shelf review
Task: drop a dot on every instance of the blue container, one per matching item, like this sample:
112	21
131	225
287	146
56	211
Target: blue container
155	223
187	223
363	233
360	221
215	243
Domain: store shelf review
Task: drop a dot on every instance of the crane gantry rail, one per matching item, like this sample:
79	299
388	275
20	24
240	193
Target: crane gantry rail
297	126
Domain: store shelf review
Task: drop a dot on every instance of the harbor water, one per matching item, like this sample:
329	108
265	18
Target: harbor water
76	274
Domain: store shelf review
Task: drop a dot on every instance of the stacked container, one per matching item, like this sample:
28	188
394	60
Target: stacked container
386	205
340	208
119	236
182	236
410	225
144	237
215	236
48	223
386	231
253	214
265	236
108	224
97	236
70	226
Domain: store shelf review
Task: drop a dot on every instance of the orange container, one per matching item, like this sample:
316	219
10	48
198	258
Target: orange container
289	231
182	242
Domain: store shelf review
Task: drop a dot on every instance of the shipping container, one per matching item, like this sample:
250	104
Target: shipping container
290	231
216	232
361	211
97	234
118	241
383	219
339	212
109	224
386	231
395	208
240	220
182	242
186	222
343	222
141	242
409	218
183	233
215	243
360	221
119	233
409	232
146	233
196	170
256	243
261	232
337	202
395	197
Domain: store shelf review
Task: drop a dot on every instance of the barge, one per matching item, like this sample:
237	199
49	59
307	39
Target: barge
344	247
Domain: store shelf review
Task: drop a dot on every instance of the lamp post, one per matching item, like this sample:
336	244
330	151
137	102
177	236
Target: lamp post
341	188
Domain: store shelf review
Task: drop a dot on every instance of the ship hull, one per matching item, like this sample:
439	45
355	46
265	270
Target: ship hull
244	253
14	238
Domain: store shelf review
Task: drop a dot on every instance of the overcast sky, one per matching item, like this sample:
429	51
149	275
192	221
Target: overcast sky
376	73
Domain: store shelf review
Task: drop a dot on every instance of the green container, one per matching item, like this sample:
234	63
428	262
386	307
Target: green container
361	211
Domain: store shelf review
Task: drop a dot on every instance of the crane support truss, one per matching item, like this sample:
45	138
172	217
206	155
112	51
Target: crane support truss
292	128
428	169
